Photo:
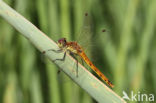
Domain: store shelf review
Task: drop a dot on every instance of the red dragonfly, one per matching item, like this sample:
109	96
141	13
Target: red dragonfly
75	48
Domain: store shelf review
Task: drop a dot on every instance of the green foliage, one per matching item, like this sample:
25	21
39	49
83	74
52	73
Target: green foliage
125	53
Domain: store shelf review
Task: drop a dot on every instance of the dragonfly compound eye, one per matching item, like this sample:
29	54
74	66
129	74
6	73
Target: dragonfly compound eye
62	40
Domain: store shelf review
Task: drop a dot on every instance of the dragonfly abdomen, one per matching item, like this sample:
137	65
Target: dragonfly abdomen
98	72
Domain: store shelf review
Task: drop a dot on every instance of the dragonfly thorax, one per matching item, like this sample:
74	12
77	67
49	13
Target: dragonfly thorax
69	46
71	49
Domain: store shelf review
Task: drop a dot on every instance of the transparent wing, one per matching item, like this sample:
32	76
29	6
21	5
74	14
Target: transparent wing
84	36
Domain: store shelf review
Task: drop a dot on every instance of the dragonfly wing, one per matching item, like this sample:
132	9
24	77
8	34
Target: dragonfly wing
85	34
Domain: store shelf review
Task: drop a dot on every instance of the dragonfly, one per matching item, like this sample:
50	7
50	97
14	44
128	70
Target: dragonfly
74	48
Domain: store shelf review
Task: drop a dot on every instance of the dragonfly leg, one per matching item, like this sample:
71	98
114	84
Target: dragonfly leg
82	61
62	59
76	68
56	51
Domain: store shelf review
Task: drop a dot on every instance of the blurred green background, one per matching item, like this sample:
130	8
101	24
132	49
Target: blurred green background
125	53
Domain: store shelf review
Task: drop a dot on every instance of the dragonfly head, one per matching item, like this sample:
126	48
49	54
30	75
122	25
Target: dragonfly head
62	42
